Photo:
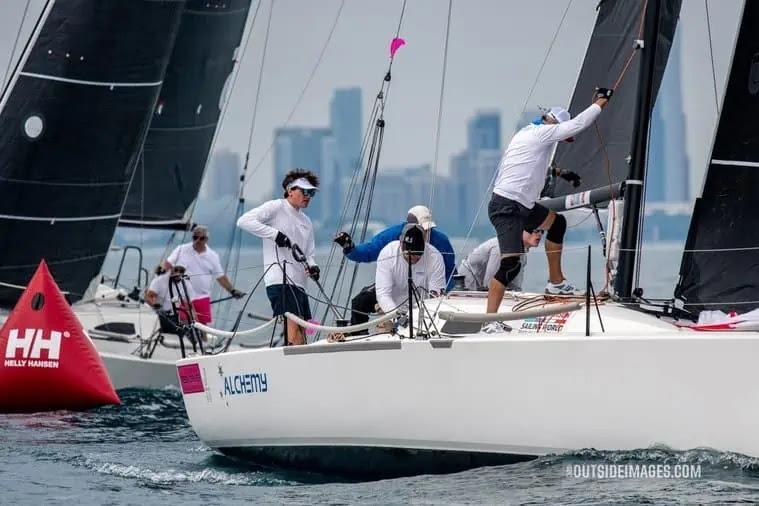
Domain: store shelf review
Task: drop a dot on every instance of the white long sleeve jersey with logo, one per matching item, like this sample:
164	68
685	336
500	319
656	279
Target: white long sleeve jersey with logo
280	216
391	278
524	164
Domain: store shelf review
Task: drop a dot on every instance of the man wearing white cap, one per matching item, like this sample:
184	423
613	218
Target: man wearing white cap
365	301
521	176
282	224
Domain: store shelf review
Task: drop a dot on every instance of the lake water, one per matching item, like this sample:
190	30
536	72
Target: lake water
145	452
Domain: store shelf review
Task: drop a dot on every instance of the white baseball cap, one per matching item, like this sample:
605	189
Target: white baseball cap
421	215
303	184
559	114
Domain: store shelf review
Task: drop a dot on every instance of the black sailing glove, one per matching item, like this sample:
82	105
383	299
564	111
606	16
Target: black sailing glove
571	177
344	240
604	93
314	272
282	240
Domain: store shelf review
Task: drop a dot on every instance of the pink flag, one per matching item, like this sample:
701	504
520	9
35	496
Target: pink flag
395	44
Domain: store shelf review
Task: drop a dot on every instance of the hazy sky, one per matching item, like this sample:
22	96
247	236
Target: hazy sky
496	48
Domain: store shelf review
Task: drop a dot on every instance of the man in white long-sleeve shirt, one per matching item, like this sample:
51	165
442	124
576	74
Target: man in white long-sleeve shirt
282	225
391	278
521	175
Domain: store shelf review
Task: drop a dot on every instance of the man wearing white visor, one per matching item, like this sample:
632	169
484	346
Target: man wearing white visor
284	227
521	176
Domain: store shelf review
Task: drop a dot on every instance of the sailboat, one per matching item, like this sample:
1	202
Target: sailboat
607	373
105	97
168	176
73	116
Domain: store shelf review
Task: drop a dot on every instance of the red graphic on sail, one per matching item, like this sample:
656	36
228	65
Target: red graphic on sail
47	361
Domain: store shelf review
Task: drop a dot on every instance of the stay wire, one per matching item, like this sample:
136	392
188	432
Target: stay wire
440	103
305	86
15	44
477	213
711	55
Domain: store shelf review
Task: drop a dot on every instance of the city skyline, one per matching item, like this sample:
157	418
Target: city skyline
495	54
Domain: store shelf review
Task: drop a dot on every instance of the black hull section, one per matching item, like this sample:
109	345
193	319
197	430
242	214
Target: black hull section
183	126
369	462
71	125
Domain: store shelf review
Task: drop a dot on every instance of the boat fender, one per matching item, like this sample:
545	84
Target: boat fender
508	270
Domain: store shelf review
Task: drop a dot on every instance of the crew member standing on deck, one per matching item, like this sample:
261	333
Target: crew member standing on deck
521	175
282	225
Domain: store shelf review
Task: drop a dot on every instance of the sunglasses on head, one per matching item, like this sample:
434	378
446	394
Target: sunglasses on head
308	193
199	237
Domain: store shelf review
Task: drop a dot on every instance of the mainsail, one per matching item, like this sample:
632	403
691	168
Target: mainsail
617	29
72	120
168	178
720	265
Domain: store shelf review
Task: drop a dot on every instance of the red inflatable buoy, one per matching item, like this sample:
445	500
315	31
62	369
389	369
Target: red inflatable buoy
48	361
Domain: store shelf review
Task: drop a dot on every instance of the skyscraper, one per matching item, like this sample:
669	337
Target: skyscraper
346	125
668	169
223	177
484	131
298	148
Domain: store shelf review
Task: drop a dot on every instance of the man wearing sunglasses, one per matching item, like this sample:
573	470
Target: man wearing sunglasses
202	265
282	224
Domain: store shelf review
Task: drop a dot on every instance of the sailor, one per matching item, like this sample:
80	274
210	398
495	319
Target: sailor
202	265
479	267
364	302
391	278
283	225
159	297
521	175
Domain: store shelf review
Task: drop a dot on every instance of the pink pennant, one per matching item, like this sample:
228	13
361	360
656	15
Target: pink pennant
395	44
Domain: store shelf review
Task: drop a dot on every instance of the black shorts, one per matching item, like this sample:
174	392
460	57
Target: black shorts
295	300
509	218
537	216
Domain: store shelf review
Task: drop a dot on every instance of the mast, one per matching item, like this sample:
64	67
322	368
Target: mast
634	184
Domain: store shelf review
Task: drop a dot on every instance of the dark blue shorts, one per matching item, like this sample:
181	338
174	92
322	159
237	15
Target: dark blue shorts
295	300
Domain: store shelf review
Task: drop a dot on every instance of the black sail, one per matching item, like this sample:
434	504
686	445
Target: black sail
72	120
616	30
168	179
723	271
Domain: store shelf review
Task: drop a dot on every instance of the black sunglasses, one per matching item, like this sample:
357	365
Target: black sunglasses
308	193
199	237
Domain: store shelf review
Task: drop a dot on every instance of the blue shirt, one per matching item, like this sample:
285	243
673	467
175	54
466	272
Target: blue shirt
369	251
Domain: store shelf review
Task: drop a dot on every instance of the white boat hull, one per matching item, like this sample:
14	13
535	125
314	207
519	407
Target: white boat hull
385	406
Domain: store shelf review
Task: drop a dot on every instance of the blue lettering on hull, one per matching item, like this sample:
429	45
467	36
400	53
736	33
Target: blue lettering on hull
252	383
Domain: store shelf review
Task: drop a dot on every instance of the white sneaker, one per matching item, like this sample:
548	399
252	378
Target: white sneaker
495	328
563	288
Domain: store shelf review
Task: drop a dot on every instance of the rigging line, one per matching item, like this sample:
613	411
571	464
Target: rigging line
233	254
635	49
236	71
485	197
258	87
15	44
440	102
305	87
711	55
376	121
545	58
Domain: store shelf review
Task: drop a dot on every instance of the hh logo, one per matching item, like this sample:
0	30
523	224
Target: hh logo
27	351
